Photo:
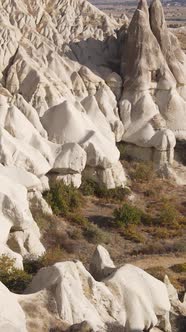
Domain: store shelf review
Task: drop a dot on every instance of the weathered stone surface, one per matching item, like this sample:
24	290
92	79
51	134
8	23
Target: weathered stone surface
128	297
12	317
101	264
153	67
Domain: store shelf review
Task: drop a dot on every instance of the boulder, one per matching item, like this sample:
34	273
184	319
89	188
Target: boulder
101	265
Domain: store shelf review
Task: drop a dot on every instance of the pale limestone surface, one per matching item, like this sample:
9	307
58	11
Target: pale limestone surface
12	317
66	294
101	264
128	298
63	107
153	67
79	297
50	65
16	218
28	155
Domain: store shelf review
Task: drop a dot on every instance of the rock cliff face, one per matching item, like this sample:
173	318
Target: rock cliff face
57	113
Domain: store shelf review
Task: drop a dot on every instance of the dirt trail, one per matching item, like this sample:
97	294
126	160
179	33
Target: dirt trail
154	261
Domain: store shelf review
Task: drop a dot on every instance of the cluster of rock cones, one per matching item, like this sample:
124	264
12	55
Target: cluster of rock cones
73	83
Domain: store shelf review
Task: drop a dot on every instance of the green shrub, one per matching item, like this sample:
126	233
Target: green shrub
63	199
95	235
126	215
16	280
90	187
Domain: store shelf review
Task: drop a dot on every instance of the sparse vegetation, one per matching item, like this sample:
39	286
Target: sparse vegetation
165	233
179	268
52	256
121	148
15	279
126	215
132	233
63	199
95	235
90	187
168	215
158	272
78	219
142	172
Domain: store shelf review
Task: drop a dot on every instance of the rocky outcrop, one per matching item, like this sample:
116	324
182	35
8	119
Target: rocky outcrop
153	67
128	297
58	116
63	107
49	68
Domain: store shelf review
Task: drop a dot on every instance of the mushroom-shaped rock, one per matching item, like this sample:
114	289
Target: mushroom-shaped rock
128	298
101	264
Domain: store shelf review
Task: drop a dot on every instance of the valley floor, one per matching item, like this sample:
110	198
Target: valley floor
157	244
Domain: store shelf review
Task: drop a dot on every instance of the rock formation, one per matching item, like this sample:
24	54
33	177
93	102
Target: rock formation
58	117
153	67
73	82
128	298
